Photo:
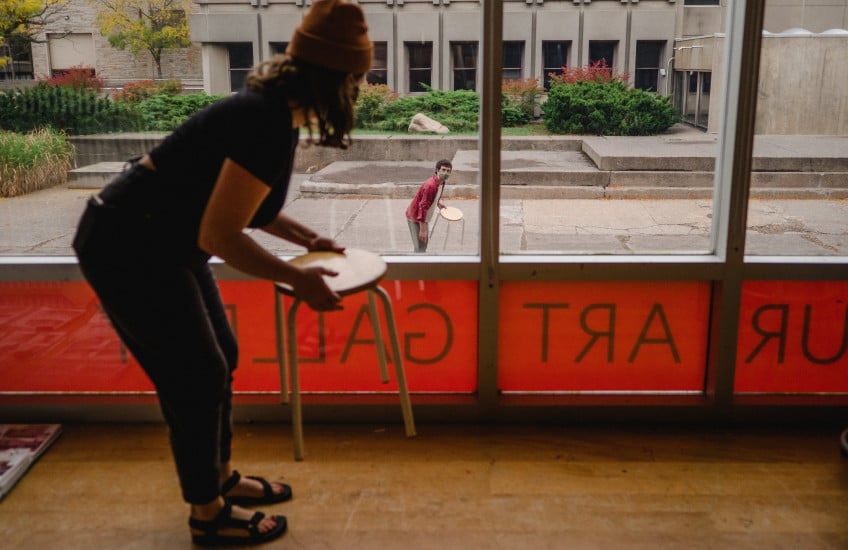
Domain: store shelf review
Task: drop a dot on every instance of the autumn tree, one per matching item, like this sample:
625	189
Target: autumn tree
151	26
22	20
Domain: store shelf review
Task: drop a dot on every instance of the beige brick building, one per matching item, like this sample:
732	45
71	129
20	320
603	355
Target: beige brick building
73	39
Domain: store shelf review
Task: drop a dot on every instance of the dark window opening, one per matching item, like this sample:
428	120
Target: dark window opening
464	58
240	56
554	58
420	66
379	73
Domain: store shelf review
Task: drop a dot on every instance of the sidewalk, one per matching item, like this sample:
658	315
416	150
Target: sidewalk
571	194
43	223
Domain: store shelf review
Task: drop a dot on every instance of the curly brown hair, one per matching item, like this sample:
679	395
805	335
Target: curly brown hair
326	94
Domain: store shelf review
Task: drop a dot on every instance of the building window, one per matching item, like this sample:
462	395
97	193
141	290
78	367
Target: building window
513	55
464	58
278	48
18	52
648	61
69	51
701	2
554	58
240	57
420	57
379	73
602	50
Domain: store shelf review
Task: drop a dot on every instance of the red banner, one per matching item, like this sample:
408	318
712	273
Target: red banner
603	336
793	337
55	338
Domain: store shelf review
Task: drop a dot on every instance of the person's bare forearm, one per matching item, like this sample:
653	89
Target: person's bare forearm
246	255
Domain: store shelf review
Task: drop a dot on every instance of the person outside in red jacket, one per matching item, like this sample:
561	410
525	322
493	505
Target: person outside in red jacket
420	210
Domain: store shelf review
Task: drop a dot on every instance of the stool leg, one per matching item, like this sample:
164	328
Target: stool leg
297	419
405	404
280	323
378	336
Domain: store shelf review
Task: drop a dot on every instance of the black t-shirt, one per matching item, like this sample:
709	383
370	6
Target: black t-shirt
250	128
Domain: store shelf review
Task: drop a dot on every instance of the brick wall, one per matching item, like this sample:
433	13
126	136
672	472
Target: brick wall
78	16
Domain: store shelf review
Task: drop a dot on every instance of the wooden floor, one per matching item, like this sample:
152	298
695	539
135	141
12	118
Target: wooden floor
455	487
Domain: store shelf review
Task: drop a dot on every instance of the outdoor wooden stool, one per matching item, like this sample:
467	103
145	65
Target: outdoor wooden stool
358	271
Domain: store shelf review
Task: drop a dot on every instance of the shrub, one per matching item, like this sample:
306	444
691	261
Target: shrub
606	108
33	161
134	92
596	72
370	103
78	78
163	113
519	96
458	110
73	110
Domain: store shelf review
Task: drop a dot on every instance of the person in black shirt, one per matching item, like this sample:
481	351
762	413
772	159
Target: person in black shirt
143	244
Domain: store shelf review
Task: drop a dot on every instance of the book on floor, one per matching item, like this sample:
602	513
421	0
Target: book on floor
20	447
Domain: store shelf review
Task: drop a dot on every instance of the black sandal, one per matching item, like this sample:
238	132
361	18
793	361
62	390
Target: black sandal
268	494
224	520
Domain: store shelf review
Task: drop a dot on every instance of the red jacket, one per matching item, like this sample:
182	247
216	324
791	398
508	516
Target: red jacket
420	209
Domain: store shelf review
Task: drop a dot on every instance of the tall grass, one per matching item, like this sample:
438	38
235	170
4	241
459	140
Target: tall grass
33	161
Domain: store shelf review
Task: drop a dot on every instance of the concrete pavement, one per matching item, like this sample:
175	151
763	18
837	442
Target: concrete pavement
556	195
42	223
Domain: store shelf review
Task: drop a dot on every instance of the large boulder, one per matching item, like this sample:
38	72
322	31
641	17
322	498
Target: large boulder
423	123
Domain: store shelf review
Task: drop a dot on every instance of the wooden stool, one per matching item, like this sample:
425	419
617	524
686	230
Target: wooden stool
358	270
451	214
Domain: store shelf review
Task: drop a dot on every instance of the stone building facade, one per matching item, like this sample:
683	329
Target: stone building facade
673	47
73	39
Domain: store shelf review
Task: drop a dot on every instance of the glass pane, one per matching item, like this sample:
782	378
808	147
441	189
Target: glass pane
464	79
601	337
799	181
793	337
646	79
554	55
648	54
554	58
512	55
603	180
379	73
240	55
420	55
278	47
377	77
602	51
56	338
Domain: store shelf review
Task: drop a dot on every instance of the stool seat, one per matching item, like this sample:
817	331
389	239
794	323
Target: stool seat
358	271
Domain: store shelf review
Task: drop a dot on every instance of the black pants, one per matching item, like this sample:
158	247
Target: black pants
170	315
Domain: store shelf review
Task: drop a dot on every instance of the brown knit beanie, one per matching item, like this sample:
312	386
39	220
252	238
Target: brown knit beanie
333	34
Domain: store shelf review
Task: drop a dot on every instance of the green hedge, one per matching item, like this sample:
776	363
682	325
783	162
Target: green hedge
606	108
75	111
163	112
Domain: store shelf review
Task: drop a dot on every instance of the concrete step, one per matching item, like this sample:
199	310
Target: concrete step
533	168
94	176
771	153
529	175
